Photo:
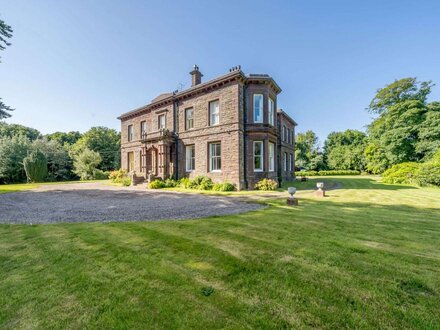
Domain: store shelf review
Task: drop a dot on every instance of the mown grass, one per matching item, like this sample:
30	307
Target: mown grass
367	256
8	188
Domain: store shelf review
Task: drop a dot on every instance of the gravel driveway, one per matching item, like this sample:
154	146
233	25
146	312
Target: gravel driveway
87	202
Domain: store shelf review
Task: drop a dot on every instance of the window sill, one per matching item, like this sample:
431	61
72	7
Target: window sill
258	170
215	171
189	171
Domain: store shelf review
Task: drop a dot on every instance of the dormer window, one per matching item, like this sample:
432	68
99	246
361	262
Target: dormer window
258	108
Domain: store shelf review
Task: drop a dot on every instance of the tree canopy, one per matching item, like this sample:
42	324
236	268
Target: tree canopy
405	129
5	34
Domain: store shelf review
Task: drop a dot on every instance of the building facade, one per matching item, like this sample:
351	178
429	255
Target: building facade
228	128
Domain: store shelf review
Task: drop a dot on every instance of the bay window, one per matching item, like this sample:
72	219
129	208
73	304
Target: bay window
258	156
271	157
258	108
271	112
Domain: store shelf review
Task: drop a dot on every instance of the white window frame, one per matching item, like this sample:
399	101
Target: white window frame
130	133
159	122
290	162
189	120
213	157
271	157
271	111
214	113
284	133
190	155
260	107
285	162
261	156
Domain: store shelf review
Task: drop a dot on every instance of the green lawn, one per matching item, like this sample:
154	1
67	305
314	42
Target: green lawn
367	256
8	188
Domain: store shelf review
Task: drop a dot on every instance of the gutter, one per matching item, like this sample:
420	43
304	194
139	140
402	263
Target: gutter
246	184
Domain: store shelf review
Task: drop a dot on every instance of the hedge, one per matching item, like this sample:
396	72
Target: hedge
326	173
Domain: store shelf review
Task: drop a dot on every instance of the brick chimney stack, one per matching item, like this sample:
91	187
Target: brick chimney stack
196	76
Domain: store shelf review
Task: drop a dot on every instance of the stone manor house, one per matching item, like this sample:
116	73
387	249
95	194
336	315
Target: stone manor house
228	128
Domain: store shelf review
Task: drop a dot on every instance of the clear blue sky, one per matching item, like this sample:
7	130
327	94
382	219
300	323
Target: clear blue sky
77	64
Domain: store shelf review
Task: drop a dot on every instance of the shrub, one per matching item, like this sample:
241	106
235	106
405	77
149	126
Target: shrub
201	182
86	163
170	183
35	166
118	176
266	184
329	172
156	184
428	174
307	173
100	175
126	181
225	186
401	173
185	183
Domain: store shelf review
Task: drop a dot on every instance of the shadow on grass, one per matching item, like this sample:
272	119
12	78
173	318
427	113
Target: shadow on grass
331	183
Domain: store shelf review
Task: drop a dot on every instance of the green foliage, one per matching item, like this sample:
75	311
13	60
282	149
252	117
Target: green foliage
3	109
63	138
201	182
407	128
429	172
307	154
185	183
376	160
126	181
327	173
266	185
5	34
429	132
13	150
100	175
85	164
35	166
118	176
345	150
401	173
170	183
225	186
59	164
156	184
399	91
10	130
103	140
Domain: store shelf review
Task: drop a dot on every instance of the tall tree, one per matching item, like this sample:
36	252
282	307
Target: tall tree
5	34
307	153
10	130
65	138
345	150
399	91
402	130
103	140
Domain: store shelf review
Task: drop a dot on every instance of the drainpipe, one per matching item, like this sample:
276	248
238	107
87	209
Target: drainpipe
176	129
246	184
